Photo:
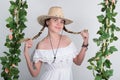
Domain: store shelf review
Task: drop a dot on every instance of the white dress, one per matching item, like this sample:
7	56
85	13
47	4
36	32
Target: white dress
61	69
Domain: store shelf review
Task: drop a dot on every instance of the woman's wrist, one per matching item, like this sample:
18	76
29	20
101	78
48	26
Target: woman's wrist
26	49
85	42
85	45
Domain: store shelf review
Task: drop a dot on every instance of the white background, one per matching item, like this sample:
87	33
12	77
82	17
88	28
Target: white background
82	12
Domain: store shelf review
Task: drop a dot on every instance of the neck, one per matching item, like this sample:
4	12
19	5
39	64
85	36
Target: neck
54	36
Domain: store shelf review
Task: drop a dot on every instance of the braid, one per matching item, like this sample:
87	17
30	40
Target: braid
65	29
45	25
36	36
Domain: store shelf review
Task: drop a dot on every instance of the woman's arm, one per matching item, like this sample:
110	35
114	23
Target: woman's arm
34	69
80	57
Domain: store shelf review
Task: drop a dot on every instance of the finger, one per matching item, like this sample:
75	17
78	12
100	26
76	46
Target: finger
85	30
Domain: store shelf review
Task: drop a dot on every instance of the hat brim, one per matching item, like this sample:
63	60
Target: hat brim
41	19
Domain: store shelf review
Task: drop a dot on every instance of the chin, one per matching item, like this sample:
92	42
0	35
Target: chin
58	32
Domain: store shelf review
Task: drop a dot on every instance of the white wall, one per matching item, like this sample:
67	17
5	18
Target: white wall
82	12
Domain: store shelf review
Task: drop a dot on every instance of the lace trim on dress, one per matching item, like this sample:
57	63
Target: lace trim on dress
64	54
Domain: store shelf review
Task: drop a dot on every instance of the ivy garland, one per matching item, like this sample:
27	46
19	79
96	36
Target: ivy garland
100	64
16	25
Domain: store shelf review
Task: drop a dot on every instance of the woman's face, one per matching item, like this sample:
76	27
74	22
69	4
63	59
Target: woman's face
55	24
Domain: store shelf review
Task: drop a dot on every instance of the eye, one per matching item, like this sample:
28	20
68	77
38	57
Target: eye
55	19
62	21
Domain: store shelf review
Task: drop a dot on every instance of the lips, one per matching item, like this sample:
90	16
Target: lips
58	27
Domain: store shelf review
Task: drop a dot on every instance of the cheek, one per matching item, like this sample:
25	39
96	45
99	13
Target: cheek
50	24
63	26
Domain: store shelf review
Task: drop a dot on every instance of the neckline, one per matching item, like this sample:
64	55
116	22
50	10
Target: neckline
55	48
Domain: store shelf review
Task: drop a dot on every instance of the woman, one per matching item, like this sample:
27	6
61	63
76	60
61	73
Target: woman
56	51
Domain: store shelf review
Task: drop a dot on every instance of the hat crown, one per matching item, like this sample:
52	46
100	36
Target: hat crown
56	12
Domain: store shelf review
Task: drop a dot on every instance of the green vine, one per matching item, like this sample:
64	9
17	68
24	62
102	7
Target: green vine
100	64
16	25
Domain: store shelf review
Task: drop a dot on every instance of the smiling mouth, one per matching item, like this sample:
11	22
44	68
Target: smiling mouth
57	27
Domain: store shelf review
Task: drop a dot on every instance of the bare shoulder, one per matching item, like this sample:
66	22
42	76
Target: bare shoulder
41	44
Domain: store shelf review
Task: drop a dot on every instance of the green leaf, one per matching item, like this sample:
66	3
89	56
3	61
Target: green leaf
98	54
11	9
103	9
98	77
107	63
3	59
17	59
105	35
113	20
25	4
10	19
102	3
22	26
22	13
97	41
114	14
100	62
109	15
108	11
90	67
7	53
112	49
108	73
117	28
111	40
91	59
100	32
100	18
106	52
12	2
112	27
115	38
3	74
15	70
113	7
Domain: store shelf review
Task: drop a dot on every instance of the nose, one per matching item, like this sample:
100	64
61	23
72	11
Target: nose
59	22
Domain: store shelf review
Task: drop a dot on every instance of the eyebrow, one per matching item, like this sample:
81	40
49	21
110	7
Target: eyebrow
57	18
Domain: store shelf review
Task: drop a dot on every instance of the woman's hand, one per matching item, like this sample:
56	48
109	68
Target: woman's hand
29	43
85	35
